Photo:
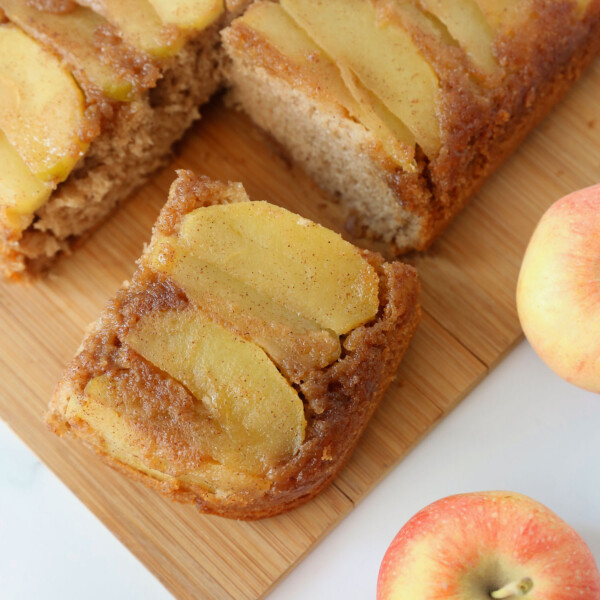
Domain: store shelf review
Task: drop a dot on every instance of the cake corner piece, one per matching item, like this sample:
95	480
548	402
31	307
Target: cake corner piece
244	391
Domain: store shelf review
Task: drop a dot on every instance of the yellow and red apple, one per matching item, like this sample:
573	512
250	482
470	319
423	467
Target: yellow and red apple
487	545
558	293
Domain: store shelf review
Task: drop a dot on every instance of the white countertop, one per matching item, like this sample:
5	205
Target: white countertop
521	429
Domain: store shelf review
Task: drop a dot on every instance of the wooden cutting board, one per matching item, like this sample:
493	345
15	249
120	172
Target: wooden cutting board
469	323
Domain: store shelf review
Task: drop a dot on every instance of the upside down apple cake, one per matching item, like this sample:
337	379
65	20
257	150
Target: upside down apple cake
241	364
402	108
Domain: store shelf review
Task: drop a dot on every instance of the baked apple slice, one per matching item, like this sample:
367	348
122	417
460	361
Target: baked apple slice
140	25
467	24
383	56
21	192
73	37
189	14
286	47
42	107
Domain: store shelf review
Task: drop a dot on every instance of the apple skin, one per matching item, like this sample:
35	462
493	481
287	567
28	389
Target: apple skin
464	547
558	292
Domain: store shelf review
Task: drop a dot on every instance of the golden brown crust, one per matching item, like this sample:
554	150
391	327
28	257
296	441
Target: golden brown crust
342	398
338	400
539	62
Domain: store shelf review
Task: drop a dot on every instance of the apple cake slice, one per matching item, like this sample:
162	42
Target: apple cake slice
92	97
241	364
402	108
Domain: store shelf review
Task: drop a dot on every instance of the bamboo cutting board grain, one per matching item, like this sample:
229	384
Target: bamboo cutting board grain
469	323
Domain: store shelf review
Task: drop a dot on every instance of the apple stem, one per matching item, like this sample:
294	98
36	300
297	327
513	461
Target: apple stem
514	588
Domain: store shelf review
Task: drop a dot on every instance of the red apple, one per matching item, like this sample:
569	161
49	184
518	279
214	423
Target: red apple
558	293
487	545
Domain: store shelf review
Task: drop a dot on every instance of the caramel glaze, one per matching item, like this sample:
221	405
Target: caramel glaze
338	400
